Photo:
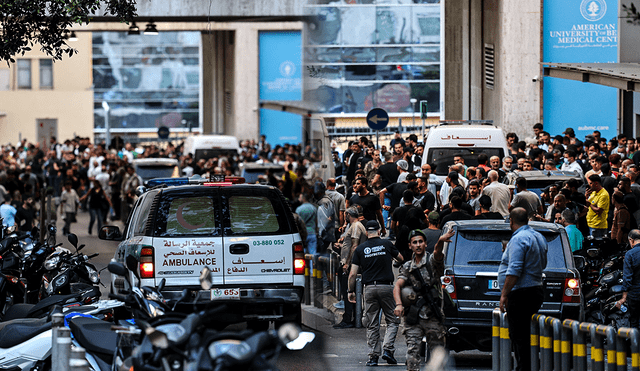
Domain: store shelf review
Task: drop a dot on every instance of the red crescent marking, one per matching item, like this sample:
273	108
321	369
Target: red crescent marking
183	222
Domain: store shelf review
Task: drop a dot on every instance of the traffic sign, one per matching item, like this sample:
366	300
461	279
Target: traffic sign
163	132
377	119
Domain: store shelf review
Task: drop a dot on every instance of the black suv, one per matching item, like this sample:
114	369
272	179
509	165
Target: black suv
471	279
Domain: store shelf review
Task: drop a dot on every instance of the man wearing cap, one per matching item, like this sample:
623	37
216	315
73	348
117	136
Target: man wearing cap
423	269
375	258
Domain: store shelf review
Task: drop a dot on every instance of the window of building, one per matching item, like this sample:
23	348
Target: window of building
24	73
147	81
46	74
365	54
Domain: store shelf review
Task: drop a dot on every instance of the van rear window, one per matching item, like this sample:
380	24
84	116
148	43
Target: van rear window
443	157
484	248
252	214
187	216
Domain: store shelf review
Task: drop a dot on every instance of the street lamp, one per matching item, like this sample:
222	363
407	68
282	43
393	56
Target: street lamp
413	111
107	130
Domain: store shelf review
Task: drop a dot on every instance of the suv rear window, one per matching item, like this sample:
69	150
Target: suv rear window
187	216
251	214
484	248
443	157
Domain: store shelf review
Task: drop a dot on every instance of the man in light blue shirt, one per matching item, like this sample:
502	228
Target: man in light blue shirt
520	278
573	233
8	212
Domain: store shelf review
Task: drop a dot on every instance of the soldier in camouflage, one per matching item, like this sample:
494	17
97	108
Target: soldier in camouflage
431	268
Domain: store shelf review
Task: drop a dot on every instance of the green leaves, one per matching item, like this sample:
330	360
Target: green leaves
46	22
632	14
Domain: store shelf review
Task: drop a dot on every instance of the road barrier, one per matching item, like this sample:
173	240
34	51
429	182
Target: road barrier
562	345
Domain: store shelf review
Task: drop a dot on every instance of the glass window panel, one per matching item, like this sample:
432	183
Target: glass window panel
361	28
426	25
5	79
46	74
431	72
360	72
323	55
252	215
329	97
359	55
426	54
24	73
325	72
429	92
393	25
393	54
191	216
324	28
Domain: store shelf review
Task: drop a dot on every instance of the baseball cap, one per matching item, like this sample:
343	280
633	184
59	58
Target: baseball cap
569	131
372	225
404	165
417	232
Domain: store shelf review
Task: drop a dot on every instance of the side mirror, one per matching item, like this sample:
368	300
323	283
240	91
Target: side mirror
73	240
110	233
580	262
205	279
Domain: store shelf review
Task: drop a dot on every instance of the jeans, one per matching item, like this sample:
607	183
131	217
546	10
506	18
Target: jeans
95	214
385	213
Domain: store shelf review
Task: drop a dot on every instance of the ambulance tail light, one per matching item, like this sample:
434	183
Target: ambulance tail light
299	264
147	268
449	285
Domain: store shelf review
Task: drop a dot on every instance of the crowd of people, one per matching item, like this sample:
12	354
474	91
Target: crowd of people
377	192
390	192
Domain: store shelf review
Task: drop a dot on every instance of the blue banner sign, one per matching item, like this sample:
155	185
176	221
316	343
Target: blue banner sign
280	79
580	31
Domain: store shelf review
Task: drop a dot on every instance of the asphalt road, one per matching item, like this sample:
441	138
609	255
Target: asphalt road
333	349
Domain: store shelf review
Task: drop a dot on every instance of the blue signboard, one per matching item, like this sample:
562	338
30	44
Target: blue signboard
377	119
280	79
580	31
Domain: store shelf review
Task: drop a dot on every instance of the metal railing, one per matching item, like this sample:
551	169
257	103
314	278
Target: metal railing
313	289
563	345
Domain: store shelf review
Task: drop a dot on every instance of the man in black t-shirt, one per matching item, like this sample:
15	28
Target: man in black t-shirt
371	209
485	209
455	204
375	258
387	173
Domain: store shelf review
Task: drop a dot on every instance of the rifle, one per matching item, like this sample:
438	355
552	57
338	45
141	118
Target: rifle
426	298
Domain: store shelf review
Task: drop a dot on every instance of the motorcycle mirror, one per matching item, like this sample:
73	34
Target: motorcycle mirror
35	232
158	338
132	265
206	282
117	268
580	262
80	247
73	240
